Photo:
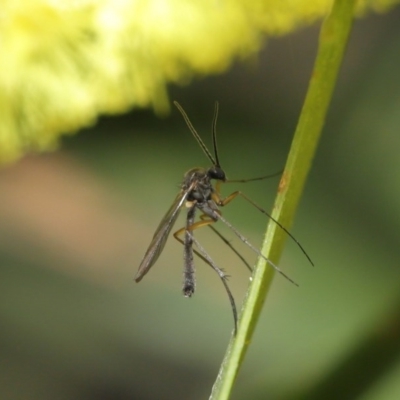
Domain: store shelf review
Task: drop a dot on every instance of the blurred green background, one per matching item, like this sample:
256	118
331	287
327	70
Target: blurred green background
75	224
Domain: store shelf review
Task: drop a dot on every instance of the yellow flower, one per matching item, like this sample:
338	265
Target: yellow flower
66	62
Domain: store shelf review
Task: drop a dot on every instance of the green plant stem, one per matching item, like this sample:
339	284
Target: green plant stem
333	39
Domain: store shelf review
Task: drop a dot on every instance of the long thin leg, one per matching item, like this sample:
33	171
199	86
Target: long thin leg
220	273
246	241
228	199
227	242
214	215
189	279
187	243
206	220
209	210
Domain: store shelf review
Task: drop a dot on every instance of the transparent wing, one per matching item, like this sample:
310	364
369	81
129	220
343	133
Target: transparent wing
161	235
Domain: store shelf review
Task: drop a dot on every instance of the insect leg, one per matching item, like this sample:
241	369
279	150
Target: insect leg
220	273
228	199
226	241
246	241
209	209
188	241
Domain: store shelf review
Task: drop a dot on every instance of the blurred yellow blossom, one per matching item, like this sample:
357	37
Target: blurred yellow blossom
65	62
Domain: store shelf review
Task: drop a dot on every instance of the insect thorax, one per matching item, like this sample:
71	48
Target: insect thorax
200	182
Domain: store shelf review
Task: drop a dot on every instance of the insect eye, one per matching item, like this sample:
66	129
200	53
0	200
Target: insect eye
216	173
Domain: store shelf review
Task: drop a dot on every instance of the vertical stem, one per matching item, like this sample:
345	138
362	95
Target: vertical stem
333	39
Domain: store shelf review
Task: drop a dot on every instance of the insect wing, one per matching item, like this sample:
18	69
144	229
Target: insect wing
161	235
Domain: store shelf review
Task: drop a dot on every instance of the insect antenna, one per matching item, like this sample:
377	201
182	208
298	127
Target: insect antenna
196	135
279	224
214	133
258	178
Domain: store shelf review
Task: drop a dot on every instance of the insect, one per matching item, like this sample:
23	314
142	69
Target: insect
198	193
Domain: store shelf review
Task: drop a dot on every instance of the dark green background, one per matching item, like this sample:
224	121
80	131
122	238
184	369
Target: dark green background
75	224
